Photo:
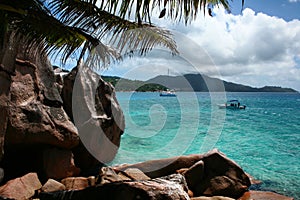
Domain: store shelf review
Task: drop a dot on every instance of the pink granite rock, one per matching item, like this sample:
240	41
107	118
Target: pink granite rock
53	186
263	195
21	188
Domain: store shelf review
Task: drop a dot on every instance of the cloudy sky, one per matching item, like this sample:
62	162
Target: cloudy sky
258	46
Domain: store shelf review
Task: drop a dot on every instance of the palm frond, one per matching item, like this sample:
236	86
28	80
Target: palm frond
178	10
101	23
144	39
62	27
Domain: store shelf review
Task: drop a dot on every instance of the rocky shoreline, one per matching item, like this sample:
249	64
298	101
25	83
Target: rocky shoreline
210	176
44	156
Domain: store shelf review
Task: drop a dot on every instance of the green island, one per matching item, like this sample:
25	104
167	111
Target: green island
187	82
133	85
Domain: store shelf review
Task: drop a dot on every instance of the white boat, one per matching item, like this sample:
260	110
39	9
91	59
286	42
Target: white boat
168	93
232	104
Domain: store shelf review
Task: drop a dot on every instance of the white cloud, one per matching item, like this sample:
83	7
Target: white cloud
254	49
294	1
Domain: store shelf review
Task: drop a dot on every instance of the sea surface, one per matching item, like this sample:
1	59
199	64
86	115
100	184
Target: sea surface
264	139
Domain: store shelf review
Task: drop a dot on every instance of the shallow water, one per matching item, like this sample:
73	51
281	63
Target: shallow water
263	139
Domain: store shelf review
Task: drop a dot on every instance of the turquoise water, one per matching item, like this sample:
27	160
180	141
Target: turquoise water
264	139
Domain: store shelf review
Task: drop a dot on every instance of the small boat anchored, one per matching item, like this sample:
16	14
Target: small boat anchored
168	93
232	104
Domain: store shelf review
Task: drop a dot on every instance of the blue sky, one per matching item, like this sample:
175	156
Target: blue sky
286	9
258	46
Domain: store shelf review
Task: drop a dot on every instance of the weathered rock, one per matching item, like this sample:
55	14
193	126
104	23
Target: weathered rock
8	53
253	180
124	177
223	185
175	178
31	113
263	195
3	114
194	175
182	170
1	174
92	180
21	188
59	163
108	175
136	174
33	118
99	119
36	115
221	177
218	176
76	183
162	167
59	76
53	186
147	190
212	198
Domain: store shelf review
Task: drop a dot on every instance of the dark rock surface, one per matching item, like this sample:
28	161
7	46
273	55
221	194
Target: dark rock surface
162	167
98	118
35	112
33	118
221	177
213	174
147	190
59	163
223	181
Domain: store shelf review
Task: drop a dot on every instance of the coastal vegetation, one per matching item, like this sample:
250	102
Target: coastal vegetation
133	85
187	82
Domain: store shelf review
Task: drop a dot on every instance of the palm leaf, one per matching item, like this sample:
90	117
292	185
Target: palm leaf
78	23
101	23
178	10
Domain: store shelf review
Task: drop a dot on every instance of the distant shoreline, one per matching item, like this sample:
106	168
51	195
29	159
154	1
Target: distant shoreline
207	92
188	83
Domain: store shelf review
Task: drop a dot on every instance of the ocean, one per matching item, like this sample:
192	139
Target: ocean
264	139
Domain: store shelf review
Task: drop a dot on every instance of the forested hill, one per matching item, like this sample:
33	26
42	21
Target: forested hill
122	84
202	83
188	82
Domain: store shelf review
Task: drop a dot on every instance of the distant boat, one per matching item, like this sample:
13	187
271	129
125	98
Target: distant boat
168	93
232	104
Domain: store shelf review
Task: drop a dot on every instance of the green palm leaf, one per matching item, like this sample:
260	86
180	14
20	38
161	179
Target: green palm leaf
175	9
70	28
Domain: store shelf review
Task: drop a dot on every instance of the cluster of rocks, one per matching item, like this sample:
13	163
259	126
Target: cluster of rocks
210	176
37	128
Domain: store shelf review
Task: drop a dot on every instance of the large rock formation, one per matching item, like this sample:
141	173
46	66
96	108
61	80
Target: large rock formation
36	115
92	105
35	125
155	189
133	184
210	174
34	118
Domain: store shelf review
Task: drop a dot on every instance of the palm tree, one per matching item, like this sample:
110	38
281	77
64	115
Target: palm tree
69	28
